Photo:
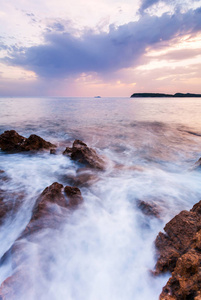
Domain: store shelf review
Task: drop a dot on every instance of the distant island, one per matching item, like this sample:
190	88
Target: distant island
161	95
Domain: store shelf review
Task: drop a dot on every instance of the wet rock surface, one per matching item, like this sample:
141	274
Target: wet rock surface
51	209
74	195
179	251
11	141
149	209
81	153
81	178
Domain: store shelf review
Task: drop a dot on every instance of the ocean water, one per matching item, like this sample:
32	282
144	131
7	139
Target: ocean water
104	249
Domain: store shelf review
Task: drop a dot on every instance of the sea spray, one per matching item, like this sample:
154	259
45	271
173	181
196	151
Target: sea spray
105	248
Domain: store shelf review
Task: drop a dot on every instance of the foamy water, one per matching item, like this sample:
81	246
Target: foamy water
103	250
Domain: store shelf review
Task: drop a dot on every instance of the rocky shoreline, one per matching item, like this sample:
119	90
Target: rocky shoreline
178	249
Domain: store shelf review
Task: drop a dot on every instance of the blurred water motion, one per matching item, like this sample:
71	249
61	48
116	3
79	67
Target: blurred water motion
103	250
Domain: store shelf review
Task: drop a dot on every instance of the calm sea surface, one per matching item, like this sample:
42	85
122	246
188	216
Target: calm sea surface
104	250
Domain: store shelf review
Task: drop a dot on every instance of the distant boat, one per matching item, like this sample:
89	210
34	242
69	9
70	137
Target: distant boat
97	97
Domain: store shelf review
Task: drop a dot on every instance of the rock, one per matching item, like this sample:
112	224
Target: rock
81	153
82	178
35	142
74	195
185	282
179	251
149	209
51	195
50	210
52	151
11	141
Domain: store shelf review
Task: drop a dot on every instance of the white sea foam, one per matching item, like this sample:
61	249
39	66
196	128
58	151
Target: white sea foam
105	249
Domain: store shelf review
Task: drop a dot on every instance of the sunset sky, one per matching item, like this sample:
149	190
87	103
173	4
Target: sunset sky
107	48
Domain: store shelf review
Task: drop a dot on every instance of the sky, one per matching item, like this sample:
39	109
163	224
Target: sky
108	48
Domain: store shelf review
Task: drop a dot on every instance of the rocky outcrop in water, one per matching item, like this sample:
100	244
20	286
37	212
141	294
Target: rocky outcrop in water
51	209
11	141
149	209
179	251
48	212
81	153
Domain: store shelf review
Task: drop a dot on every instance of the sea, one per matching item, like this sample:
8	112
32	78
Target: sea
104	249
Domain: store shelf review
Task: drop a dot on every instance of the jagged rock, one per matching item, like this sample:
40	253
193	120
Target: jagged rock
52	194
179	251
149	209
68	151
74	195
185	281
35	142
81	153
51	209
48	209
11	141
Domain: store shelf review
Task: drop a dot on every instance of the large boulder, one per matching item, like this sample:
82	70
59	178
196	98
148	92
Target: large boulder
179	252
11	141
88	157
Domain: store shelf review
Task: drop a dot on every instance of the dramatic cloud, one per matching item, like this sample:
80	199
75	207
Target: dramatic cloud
63	54
177	4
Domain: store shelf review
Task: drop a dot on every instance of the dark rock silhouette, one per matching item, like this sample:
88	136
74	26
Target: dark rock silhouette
11	141
162	95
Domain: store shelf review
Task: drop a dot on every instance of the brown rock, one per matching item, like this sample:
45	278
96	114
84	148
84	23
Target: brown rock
11	141
179	251
81	153
185	282
197	208
149	209
179	233
84	177
68	151
50	210
35	142
181	229
74	195
51	195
